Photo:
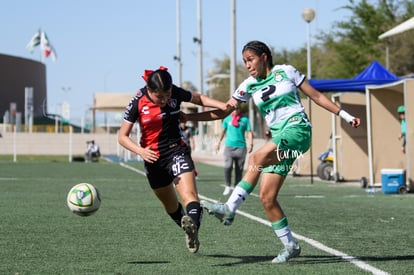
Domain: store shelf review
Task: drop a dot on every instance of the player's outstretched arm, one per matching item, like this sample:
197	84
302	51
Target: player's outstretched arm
206	101
324	102
207	115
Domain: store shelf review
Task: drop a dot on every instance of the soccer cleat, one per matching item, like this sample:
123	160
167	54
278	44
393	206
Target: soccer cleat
227	190
220	210
191	234
287	253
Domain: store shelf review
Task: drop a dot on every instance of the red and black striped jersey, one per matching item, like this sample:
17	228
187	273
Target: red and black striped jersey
160	127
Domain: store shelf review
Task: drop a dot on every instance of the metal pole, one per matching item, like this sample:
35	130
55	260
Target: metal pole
233	48
308	15
14	143
200	68
200	47
178	57
309	100
387	57
369	137
334	137
309	52
70	143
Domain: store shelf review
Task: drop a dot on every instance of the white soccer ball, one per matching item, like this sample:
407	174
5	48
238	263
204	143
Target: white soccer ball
83	199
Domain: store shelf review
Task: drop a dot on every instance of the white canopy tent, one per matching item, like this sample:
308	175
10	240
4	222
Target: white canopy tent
405	26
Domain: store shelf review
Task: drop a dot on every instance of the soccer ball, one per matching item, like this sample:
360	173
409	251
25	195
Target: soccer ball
83	199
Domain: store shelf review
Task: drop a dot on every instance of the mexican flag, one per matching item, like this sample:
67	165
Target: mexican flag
46	47
34	42
40	39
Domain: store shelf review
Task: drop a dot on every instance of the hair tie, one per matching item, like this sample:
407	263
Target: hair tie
147	73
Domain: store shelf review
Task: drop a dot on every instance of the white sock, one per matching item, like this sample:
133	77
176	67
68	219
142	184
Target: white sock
237	197
285	236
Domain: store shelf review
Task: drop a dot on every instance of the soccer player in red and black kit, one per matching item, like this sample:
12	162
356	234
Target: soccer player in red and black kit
167	159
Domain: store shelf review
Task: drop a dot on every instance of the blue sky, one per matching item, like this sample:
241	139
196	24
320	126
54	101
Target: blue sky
104	46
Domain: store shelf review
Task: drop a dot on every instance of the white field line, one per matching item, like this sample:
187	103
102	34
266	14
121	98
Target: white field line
316	244
132	168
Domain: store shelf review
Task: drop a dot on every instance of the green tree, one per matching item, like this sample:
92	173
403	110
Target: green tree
354	43
342	52
347	48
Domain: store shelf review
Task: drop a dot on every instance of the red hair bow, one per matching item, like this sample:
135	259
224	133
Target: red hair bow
147	73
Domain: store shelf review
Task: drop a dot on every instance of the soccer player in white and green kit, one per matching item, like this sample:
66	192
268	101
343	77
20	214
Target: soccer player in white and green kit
274	90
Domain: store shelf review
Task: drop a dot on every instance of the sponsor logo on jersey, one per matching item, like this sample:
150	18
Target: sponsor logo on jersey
145	110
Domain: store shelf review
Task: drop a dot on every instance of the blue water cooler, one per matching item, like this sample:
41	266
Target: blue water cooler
392	180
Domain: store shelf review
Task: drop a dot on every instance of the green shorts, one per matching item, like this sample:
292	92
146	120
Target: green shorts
292	140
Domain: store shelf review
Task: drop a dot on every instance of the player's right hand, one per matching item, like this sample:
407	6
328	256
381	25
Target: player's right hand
148	155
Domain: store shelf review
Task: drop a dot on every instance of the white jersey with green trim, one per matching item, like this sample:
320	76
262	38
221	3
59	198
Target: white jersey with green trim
276	96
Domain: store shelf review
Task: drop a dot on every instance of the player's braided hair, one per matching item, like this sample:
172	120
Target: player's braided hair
159	80
259	47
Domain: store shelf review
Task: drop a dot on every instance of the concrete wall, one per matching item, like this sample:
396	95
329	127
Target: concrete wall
55	144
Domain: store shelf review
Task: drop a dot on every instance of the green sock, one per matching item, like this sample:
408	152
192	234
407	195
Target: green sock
247	186
280	223
283	232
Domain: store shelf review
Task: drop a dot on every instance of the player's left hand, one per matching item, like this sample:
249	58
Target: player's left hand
356	122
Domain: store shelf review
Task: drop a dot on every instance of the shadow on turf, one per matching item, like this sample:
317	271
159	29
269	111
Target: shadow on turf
335	259
242	259
149	262
268	259
317	259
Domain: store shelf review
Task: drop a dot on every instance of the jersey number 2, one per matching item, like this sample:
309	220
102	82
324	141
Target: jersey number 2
266	94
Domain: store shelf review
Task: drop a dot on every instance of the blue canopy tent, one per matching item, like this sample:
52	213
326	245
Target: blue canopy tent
374	74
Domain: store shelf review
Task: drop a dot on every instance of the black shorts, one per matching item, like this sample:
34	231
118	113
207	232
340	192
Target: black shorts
162	172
